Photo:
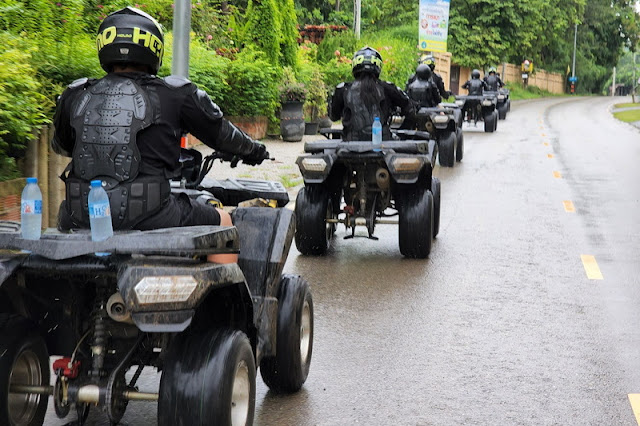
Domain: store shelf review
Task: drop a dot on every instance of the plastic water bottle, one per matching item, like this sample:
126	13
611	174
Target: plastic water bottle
99	212
376	134
31	210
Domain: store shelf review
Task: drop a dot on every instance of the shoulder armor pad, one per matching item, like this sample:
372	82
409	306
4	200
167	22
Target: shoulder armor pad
77	83
207	105
176	81
340	86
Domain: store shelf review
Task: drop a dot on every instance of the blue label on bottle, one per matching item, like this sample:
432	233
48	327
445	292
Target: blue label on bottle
99	210
31	207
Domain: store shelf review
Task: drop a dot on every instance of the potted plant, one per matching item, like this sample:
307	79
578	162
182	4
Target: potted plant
292	97
315	105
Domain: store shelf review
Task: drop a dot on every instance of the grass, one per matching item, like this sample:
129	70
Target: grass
629	105
628	116
290	180
532	92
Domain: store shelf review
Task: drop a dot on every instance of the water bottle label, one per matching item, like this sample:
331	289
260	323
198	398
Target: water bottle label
99	210
32	206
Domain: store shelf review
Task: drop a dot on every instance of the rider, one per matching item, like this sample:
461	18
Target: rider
125	129
475	85
435	77
358	102
494	83
422	90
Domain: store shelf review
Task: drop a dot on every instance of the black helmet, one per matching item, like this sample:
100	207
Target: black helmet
428	60
366	60
475	74
130	35
423	72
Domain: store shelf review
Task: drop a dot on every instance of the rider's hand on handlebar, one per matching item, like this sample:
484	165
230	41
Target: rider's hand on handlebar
257	155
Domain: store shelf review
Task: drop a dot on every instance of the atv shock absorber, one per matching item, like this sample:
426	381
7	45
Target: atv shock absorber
98	345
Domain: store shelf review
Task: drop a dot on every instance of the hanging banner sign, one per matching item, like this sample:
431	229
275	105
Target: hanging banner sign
433	25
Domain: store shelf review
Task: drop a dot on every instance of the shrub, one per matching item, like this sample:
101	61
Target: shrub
290	90
336	71
344	42
22	104
262	28
289	33
252	85
207	70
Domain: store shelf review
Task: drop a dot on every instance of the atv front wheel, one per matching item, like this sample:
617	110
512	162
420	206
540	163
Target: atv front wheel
446	149
415	216
490	122
208	379
23	361
460	147
288	369
502	111
313	232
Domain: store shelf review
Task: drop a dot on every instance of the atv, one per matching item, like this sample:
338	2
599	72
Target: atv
503	104
150	299
354	184
442	123
480	108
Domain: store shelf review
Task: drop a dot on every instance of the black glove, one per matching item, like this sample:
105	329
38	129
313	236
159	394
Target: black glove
258	154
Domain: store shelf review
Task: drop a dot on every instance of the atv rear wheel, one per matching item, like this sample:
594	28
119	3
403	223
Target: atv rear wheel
435	190
502	111
460	147
208	379
490	122
288	369
313	232
415	216
23	361
446	149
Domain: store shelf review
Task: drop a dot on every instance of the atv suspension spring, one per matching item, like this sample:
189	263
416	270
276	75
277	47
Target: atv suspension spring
98	347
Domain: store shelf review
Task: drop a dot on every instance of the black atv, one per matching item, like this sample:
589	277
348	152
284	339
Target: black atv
374	185
503	104
442	123
480	108
154	301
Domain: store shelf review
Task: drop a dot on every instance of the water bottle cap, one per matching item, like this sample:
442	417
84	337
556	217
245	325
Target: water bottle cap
96	184
32	180
376	118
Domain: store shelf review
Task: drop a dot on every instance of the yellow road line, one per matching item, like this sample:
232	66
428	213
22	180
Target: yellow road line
550	155
634	399
557	175
569	207
591	267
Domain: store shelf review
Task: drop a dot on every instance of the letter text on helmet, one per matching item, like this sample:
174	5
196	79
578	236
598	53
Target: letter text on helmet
105	37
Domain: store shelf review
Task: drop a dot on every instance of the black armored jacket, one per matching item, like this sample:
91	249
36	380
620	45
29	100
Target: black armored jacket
475	86
493	82
346	105
424	93
125	130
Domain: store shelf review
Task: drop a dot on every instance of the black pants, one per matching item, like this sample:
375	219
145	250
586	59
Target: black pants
179	210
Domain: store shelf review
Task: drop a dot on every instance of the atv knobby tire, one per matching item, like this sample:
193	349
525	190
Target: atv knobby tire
446	149
208	379
490	122
502	111
23	361
313	207
415	216
435	191
288	369
460	147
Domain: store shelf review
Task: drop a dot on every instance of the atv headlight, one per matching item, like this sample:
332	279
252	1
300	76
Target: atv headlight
440	119
313	164
501	97
460	103
406	164
165	289
486	102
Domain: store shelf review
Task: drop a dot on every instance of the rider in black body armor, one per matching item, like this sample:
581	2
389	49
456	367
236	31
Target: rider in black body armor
125	130
358	102
423	90
435	77
494	83
476	87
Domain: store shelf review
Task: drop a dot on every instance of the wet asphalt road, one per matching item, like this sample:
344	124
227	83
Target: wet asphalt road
501	325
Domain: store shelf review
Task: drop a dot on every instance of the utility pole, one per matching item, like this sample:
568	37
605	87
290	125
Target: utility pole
575	43
634	84
356	17
181	31
613	88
